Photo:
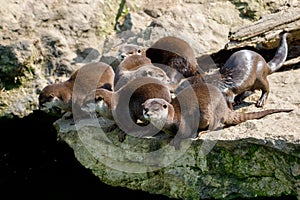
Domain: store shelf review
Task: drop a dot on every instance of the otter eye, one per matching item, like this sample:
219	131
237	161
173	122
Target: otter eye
144	73
49	98
165	106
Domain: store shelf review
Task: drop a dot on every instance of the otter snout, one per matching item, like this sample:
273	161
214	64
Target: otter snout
122	56
146	113
42	107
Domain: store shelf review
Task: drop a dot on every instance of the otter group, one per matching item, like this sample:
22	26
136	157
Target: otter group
162	89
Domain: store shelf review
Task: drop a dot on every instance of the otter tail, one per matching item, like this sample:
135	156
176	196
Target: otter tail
280	55
237	117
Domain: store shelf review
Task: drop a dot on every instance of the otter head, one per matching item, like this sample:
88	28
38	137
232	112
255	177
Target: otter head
182	65
157	111
52	100
134	62
154	72
129	50
229	97
98	101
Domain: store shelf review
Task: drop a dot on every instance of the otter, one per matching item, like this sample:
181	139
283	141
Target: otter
246	70
139	66
175	53
124	105
130	49
144	71
130	63
59	96
199	107
185	82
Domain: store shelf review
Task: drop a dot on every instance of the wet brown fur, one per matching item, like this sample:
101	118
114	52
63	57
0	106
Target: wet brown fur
125	103
127	50
246	70
203	107
137	66
80	83
175	53
131	63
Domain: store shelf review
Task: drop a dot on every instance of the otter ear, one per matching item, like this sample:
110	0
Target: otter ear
165	106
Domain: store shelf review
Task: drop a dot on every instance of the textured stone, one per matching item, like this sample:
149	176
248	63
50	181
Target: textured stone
231	169
43	42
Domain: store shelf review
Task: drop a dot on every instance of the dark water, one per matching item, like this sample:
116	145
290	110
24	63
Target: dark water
33	164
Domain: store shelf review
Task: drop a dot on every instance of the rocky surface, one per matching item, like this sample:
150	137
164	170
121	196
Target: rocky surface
257	158
42	43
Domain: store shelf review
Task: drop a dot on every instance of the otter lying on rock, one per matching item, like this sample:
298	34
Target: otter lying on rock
196	108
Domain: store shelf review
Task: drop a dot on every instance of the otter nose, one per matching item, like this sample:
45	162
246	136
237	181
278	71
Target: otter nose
146	111
42	107
122	56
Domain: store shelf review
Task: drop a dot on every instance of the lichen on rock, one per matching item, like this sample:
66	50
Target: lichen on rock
42	43
231	169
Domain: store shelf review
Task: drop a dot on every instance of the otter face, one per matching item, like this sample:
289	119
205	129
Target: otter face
99	106
154	72
50	102
156	111
229	97
53	104
57	103
129	50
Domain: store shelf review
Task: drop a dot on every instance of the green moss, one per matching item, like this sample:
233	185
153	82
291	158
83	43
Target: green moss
249	9
230	171
8	78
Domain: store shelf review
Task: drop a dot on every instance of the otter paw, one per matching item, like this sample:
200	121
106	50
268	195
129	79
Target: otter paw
259	103
110	128
175	143
121	136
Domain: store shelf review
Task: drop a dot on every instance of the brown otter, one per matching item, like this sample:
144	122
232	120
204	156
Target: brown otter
136	66
143	71
130	49
60	96
196	108
130	63
246	70
176	53
124	105
185	82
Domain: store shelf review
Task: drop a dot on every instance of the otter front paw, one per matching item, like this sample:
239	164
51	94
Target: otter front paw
260	103
176	143
121	136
